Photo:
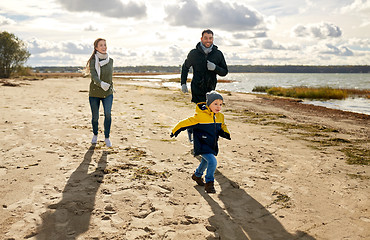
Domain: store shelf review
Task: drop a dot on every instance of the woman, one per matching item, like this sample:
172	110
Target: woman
101	88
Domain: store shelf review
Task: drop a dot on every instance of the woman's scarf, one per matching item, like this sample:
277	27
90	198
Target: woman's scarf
101	63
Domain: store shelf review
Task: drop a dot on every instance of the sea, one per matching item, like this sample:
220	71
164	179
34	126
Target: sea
245	82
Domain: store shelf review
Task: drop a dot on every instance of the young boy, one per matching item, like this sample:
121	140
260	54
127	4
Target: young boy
207	124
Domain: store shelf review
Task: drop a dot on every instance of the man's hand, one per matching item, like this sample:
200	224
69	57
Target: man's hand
184	88
211	66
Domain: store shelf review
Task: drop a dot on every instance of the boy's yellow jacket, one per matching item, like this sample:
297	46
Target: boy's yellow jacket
207	127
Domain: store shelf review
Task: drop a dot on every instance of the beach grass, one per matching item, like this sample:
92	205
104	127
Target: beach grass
357	155
358	176
144	172
319	136
261	88
312	93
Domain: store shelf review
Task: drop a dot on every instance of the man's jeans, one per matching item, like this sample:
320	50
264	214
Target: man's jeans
209	161
107	105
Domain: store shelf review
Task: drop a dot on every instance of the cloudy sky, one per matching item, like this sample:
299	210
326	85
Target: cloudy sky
158	32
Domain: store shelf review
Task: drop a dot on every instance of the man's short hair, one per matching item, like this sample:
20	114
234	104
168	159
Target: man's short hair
209	31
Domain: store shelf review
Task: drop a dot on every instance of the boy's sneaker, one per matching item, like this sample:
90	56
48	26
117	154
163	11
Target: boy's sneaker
94	139
209	187
107	142
199	180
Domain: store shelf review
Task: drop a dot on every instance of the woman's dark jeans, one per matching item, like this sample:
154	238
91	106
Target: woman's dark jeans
107	105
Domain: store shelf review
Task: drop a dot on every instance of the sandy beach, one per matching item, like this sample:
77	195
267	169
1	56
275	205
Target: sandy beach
284	175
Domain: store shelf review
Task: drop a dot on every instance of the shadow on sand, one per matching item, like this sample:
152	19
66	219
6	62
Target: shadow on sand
72	214
242	217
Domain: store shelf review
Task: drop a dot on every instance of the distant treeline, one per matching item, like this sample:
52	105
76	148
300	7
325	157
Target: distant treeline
299	69
232	68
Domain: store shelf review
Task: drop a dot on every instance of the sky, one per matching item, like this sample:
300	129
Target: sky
158	32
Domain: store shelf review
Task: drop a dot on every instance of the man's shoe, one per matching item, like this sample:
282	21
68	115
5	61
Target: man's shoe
209	187
199	180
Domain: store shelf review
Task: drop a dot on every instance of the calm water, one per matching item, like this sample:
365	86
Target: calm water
245	82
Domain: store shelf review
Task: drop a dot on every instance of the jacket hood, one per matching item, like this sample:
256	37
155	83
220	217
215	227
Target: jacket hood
203	108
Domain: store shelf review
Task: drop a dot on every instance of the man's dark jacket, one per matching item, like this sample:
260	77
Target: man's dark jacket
203	80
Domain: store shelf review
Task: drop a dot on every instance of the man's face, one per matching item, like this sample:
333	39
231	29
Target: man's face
207	40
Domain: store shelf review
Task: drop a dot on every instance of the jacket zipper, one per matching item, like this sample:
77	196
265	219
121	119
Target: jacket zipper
214	122
206	73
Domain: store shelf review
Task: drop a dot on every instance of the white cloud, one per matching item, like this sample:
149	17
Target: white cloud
108	8
325	50
24	9
184	13
365	24
248	35
359	43
37	46
362	6
269	44
90	28
215	14
6	21
122	52
321	30
278	7
162	32
76	48
338	51
176	52
160	35
173	55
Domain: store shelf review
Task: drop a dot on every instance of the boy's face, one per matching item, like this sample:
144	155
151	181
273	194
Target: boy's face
216	105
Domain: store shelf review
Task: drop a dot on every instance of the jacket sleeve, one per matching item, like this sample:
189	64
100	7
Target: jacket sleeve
221	68
93	73
224	132
185	68
185	124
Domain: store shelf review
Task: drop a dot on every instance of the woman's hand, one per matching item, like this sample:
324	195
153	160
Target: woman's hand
105	86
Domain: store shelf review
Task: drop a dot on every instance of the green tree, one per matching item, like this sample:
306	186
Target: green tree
13	54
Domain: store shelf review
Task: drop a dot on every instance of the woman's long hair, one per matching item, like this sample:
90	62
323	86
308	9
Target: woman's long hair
87	68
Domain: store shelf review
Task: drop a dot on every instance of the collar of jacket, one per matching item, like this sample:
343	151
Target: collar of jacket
199	48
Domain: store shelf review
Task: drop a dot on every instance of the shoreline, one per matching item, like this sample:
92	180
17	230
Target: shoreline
223	81
284	175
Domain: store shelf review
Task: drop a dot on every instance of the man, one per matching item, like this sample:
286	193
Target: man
207	61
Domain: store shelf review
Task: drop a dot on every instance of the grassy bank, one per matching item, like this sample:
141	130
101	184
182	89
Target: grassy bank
313	93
